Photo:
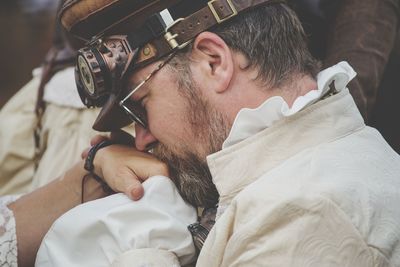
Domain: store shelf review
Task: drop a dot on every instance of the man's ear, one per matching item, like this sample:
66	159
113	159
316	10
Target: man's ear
214	59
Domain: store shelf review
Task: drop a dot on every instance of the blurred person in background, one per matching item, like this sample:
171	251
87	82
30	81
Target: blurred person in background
36	6
45	126
365	33
24	26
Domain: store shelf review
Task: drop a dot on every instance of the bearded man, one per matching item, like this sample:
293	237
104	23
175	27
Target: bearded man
231	100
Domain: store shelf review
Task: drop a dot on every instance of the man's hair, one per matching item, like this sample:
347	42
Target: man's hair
272	39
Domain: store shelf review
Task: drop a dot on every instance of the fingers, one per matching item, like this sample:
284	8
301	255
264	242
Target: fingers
97	139
85	153
135	191
117	137
126	181
124	169
117	174
94	141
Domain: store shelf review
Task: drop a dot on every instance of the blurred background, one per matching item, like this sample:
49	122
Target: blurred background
26	28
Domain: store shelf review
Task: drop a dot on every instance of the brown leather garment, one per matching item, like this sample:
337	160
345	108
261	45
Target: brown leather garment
364	34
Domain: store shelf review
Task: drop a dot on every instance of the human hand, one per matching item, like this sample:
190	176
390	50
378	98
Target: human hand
123	167
118	137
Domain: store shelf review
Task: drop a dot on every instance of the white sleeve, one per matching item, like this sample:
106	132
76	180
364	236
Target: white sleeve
99	232
8	237
146	257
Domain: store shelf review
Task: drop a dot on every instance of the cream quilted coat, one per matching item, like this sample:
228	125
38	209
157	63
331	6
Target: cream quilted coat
318	188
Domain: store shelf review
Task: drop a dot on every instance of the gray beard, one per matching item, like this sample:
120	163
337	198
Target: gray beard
191	176
188	168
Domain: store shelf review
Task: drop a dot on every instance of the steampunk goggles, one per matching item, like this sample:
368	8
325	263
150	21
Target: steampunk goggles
103	63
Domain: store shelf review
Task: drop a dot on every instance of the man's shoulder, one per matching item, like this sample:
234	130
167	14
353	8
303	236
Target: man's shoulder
345	177
348	170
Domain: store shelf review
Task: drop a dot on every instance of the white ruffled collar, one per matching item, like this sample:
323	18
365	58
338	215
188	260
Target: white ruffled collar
251	121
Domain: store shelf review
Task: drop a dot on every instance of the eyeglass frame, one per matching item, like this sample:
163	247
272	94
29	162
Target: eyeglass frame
134	117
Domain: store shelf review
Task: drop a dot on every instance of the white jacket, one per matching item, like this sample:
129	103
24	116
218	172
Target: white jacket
317	188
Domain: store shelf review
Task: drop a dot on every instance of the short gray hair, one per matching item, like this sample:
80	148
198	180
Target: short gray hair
272	39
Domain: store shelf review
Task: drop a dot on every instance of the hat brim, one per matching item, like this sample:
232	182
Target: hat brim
111	116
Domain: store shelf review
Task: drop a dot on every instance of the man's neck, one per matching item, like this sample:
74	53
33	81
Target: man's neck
246	91
299	86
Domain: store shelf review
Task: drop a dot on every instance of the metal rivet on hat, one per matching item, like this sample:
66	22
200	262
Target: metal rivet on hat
146	51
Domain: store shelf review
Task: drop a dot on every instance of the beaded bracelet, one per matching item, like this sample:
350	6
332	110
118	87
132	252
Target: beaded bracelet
92	153
90	168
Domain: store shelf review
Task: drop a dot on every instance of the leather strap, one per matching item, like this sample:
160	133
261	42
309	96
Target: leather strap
201	229
92	153
185	29
91	19
90	168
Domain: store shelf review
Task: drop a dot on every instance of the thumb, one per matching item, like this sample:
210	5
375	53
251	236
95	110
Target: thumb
135	190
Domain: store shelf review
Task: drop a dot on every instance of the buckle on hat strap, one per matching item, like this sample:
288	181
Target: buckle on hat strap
184	30
171	37
179	34
223	7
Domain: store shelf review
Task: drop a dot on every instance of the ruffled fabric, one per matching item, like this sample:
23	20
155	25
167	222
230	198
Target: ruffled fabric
8	237
251	121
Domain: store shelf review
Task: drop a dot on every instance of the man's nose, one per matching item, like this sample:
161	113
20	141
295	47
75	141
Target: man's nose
144	138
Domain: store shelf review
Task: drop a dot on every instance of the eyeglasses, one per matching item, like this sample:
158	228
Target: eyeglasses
134	109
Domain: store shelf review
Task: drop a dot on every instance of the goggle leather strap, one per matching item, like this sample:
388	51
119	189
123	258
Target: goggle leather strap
185	29
91	20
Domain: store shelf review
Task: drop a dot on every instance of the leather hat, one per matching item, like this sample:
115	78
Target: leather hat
88	18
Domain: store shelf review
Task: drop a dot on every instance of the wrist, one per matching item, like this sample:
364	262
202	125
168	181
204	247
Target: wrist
80	188
98	162
91	189
91	157
92	174
72	181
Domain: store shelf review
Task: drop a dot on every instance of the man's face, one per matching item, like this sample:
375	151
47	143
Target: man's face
186	127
